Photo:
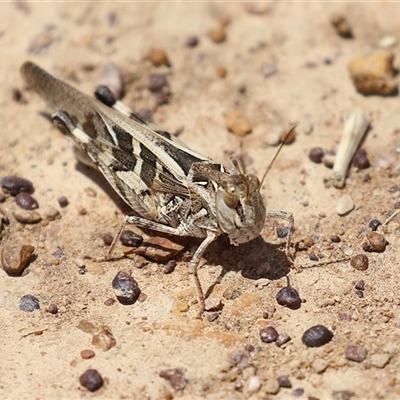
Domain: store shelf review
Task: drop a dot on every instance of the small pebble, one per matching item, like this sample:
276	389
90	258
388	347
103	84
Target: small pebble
26	201
14	184
90	192
317	336
271	386
29	303
107	239
104	339
282	339
356	353
319	365
298	392
282	231
309	242
360	294
342	395
87	354
217	34
27	217
341	25
212	317
284	381
15	258
268	69
288	137
360	285
158	57
268	334
176	377
334	238
157	82
252	385
109	302
192	41
273	138
380	360
169	267
316	154
221	71
373	74
130	239
17	96
51	213
81	210
63	201
112	78
313	257
91	380
237	123
359	262
329	160
126	289
374	242
288	297
53	309
360	159
345	205
387	42
231	293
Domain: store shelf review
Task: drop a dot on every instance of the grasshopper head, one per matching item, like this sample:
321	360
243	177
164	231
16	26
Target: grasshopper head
240	208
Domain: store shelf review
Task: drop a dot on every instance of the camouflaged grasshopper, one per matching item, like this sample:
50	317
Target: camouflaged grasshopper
173	189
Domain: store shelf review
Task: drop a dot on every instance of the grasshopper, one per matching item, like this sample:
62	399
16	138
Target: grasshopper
172	189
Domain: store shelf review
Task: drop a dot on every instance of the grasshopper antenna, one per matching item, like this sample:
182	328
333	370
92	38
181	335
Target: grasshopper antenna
276	154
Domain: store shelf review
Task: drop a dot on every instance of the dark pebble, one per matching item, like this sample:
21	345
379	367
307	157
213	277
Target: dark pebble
91	380
249	348
342	395
313	257
316	154
126	289
282	231
298	392
109	302
335	238
359	262
26	201
360	159
284	381
360	285
169	267
360	294
107	239
14	184
63	201
394	189
157	82
282	339
268	334
374	224
53	309
29	303
374	242
176	377
317	336
131	239
2	197
288	297
212	317
356	353
192	41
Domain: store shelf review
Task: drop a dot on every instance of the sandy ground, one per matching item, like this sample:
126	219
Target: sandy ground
40	352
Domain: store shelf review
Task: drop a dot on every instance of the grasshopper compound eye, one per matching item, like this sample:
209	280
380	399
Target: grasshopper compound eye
231	196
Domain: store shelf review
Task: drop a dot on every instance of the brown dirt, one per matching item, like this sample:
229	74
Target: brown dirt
311	88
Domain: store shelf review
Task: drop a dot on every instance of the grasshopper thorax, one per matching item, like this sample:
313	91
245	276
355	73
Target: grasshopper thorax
240	208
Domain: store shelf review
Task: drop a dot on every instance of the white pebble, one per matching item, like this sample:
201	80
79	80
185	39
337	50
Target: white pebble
344	205
252	385
387	42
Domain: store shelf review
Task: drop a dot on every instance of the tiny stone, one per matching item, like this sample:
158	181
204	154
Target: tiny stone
231	293
15	258
90	192
26	201
182	306
142	297
252	385
341	26
342	395
52	309
360	159
345	205
81	210
111	77
359	262
107	239
29	303
360	285
316	154
316	336
309	242
356	353
14	184
169	267
288	137
271	386
51	214
158	57
319	365
221	71
157	82
335	238
217	34
360	294
212	317
176	377
288	297
374	242
91	380
103	339
109	302
282	339
284	381
282	231
87	354
313	257
27	217
268	334
380	360
273	138
387	42
329	160
130	239
63	201
126	289
192	41
268	69
298	392
237	123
